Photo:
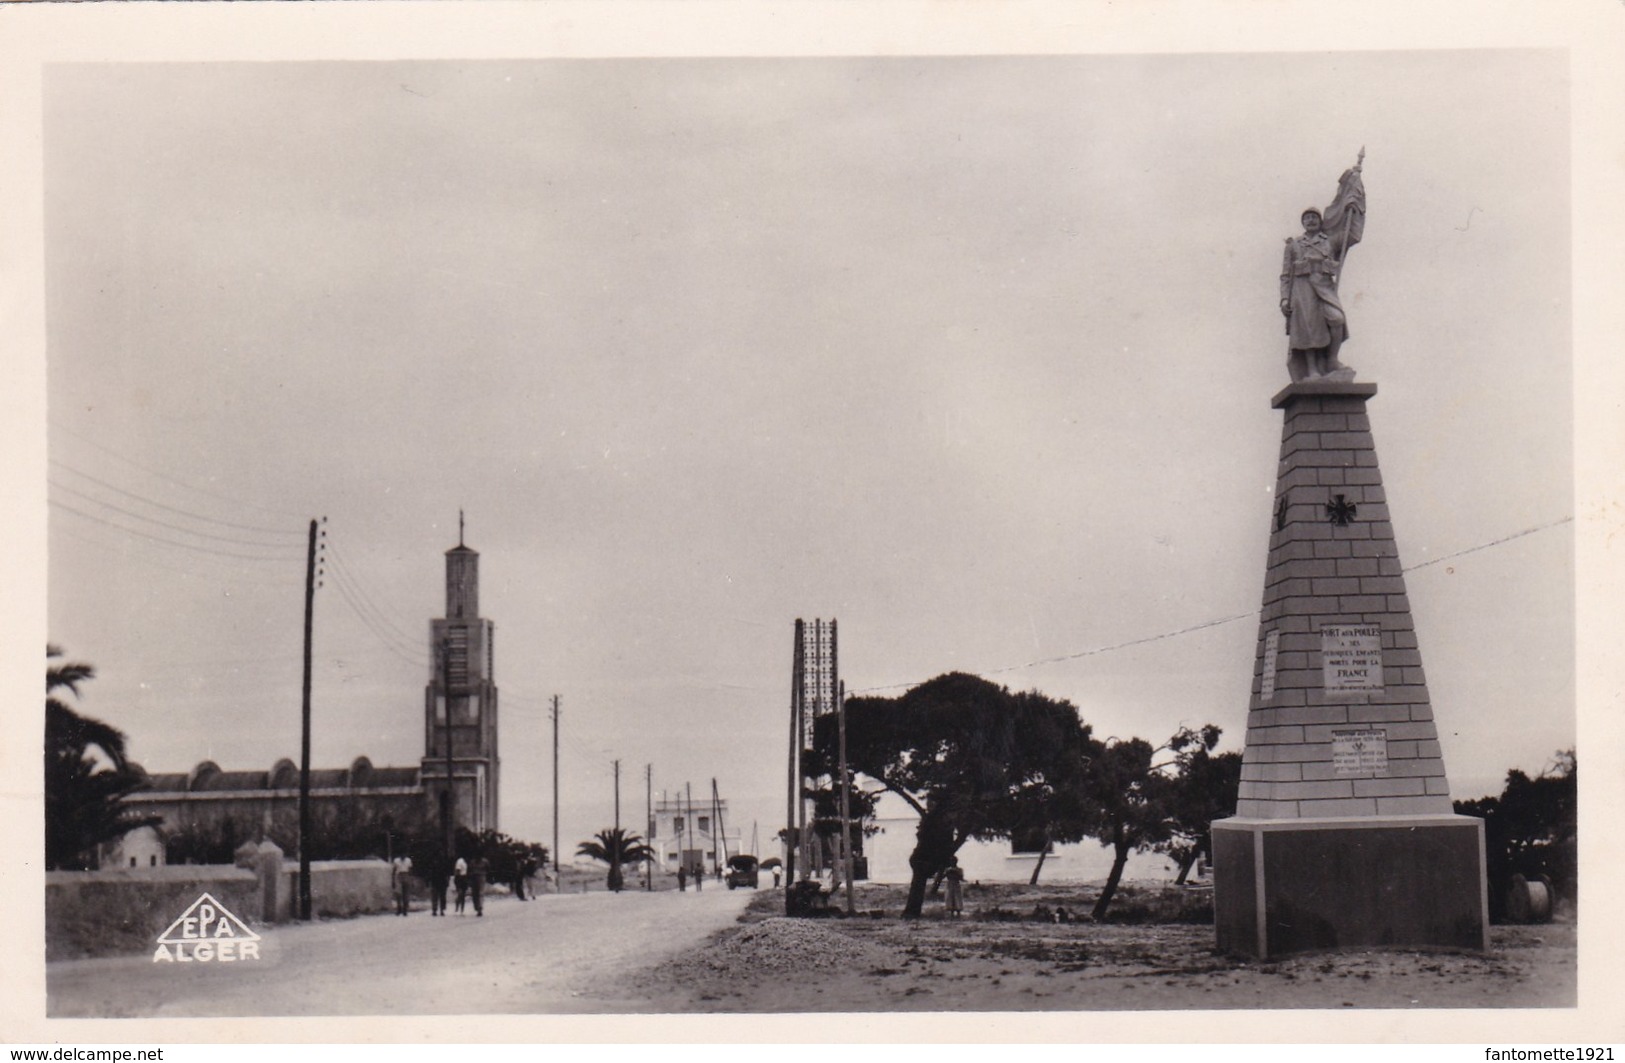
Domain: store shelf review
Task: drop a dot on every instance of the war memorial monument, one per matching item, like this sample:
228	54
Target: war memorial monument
1344	836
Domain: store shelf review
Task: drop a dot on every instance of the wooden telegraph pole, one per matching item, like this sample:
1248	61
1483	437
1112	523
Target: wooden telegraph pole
448	800
792	840
846	808
688	821
649	824
719	845
558	869
304	731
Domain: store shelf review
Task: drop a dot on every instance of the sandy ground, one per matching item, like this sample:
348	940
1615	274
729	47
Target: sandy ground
866	964
668	952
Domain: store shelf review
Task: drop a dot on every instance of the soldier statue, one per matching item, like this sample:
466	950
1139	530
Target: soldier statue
1315	323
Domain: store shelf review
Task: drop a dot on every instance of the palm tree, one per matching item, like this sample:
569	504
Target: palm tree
616	847
83	795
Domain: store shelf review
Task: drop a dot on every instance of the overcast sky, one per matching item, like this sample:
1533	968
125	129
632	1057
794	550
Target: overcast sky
974	355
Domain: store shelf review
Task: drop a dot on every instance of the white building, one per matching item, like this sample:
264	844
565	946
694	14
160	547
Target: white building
700	828
1000	861
142	847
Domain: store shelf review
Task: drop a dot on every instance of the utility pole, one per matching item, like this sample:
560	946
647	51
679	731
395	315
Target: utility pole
304	730
791	839
558	870
718	845
699	872
846	809
617	795
649	824
837	689
448	799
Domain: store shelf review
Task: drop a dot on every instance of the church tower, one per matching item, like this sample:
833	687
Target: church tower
460	702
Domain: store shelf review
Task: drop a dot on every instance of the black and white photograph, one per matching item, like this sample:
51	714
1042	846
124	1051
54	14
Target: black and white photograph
534	519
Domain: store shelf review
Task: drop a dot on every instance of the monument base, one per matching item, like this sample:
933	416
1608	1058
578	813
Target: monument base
1282	886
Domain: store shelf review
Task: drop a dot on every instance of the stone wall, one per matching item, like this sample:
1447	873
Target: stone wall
340	888
104	913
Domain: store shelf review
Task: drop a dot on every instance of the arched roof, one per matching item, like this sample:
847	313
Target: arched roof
284	775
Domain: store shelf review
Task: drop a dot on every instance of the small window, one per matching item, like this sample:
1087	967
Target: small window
154	859
132	861
677	824
705	824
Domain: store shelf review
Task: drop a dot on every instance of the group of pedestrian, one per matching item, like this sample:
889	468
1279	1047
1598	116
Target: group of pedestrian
465	877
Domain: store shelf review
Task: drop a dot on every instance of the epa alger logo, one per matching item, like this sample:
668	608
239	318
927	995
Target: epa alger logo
207	933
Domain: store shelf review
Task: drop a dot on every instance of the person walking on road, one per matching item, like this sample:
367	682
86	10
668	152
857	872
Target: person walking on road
459	878
401	876
476	874
682	878
439	881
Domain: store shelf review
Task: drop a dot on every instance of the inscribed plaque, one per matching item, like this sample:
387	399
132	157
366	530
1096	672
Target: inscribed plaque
1360	752
1266	685
1351	657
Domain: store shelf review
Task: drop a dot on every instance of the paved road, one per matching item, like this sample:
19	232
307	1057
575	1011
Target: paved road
553	955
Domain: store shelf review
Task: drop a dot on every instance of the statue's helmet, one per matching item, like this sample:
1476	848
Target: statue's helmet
1308	211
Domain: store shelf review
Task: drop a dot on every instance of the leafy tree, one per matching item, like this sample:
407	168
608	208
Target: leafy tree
1531	829
507	859
616	847
87	775
511	861
1049	810
824	795
1204	789
204	842
965	754
1126	805
355	827
1130	800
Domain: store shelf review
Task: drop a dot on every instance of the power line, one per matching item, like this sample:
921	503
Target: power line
380	624
238	574
340	583
231	540
170	542
286	533
1222	620
54	427
359	585
383	641
1486	546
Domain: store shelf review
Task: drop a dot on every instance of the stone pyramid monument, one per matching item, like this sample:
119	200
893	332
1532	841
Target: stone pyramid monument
1340	722
1343	834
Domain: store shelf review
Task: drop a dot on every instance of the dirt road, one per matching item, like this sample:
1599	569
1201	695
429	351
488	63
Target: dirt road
554	955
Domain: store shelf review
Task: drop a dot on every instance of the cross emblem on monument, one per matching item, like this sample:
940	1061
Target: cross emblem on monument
1340	510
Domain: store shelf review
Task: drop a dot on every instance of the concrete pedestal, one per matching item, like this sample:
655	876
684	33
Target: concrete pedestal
1286	886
